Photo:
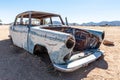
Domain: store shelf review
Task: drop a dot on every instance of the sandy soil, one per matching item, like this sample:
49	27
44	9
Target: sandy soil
17	64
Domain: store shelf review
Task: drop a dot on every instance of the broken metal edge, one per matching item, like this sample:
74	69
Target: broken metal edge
72	66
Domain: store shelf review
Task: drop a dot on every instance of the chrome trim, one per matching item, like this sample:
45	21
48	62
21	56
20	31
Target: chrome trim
74	65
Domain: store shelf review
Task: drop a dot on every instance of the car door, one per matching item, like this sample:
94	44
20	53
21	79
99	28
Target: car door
20	32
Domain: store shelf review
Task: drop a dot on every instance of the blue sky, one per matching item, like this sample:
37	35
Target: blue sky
78	11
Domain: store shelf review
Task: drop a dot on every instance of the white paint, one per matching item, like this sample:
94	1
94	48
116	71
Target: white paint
27	40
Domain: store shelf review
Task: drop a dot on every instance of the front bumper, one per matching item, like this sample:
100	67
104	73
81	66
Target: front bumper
76	64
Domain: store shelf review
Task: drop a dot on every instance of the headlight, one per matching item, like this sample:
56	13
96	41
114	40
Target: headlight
70	43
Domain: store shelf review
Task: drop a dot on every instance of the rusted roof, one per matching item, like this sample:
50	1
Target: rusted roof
36	14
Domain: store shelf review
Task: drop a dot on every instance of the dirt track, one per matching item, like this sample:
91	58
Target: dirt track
17	64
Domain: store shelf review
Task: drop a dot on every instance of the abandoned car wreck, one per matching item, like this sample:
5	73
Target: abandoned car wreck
46	33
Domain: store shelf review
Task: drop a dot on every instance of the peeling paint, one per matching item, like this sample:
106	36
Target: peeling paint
54	39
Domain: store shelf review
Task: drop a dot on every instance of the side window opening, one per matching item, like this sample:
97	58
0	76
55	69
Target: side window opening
17	21
46	21
25	21
22	21
35	22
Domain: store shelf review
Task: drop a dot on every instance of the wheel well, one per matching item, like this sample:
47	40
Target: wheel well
42	52
38	49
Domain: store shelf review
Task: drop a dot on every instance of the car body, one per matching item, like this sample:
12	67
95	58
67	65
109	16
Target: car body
68	48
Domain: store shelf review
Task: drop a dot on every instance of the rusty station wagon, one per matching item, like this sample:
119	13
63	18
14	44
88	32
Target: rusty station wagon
44	33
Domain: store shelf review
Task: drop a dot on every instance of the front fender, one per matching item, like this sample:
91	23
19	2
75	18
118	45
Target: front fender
99	33
54	41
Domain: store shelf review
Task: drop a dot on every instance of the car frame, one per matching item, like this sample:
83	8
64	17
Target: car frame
68	48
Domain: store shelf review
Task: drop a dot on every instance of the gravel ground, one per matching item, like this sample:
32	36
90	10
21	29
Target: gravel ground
17	64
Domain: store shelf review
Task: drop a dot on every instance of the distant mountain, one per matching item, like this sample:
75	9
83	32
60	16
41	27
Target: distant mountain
71	24
103	23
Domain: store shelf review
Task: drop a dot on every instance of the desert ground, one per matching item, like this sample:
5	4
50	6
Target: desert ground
18	64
